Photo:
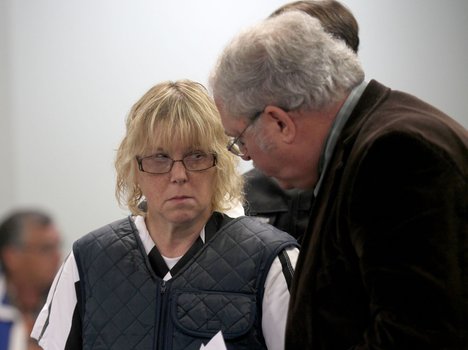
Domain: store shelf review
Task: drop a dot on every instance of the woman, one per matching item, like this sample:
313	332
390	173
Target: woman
177	270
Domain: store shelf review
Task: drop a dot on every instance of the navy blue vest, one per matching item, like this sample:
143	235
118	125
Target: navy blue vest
126	306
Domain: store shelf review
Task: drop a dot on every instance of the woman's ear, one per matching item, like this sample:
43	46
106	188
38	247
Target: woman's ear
284	125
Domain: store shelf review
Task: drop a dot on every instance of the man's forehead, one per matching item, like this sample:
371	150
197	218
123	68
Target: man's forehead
232	126
38	231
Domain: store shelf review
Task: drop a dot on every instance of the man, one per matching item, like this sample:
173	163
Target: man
289	209
29	257
383	263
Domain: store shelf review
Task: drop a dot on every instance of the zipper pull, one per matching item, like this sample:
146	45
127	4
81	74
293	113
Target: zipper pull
163	287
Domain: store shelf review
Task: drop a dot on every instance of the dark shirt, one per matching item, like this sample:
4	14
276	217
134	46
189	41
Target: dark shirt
287	210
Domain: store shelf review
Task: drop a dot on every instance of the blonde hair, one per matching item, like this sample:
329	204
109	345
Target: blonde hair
182	111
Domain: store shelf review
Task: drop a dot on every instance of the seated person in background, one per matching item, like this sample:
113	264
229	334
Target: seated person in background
178	270
289	209
29	259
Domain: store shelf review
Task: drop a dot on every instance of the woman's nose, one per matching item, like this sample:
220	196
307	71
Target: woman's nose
178	172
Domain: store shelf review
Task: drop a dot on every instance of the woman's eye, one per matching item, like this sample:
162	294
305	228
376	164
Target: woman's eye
196	155
160	156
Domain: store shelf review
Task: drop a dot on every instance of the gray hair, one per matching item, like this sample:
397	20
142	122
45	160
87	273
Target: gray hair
288	61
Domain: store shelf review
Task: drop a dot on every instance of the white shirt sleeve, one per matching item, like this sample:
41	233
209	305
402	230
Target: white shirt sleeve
54	322
276	302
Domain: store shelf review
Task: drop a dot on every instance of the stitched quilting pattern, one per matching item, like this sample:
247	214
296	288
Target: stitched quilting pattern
122	308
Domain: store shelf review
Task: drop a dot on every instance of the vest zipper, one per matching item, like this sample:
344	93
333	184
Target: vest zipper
161	330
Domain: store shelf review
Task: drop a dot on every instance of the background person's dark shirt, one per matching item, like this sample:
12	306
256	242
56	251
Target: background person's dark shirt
287	210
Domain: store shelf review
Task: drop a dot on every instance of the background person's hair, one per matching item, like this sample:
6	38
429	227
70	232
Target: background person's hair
182	112
288	61
12	228
335	18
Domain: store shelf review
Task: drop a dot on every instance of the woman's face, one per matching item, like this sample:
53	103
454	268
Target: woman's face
179	196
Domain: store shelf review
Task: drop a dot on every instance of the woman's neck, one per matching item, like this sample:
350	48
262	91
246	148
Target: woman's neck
174	240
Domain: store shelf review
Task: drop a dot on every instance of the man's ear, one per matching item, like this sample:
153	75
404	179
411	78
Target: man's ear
283	123
11	258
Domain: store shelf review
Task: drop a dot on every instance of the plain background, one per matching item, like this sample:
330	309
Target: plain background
71	70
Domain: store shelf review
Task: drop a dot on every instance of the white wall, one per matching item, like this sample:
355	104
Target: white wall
70	71
420	46
6	149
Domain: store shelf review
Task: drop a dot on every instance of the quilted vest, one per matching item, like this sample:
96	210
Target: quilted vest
124	305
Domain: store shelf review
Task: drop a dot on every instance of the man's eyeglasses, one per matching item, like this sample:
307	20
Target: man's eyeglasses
161	163
235	145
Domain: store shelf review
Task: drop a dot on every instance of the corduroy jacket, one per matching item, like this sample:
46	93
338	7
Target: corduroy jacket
384	264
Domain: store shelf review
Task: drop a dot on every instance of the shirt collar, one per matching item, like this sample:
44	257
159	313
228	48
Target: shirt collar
335	131
145	237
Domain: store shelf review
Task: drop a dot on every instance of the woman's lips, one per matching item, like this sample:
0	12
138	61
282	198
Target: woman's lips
179	198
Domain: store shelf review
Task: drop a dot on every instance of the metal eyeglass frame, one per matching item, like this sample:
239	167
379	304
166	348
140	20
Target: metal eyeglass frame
234	145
